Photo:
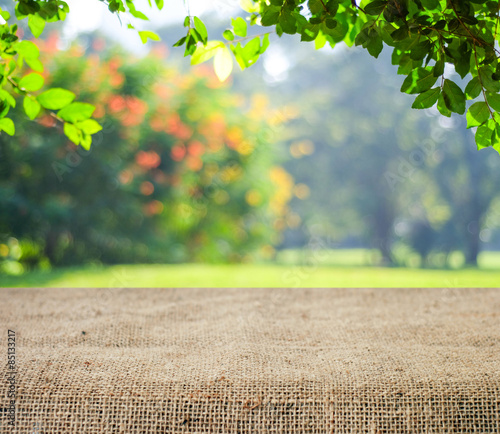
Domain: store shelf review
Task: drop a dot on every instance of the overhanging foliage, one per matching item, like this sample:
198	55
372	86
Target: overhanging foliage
425	36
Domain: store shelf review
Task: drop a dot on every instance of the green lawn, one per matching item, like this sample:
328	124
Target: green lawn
331	268
195	275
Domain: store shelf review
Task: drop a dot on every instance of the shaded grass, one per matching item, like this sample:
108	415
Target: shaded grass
200	275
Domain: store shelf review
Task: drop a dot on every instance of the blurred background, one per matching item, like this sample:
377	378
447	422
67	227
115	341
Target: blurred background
308	169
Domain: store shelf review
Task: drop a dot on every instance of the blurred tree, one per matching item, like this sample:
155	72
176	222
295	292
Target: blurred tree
424	36
468	182
354	145
377	163
182	169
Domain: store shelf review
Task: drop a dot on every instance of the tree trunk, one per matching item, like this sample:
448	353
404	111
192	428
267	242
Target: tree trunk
383	220
50	248
472	244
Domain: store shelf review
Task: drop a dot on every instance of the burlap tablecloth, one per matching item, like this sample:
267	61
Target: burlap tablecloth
253	360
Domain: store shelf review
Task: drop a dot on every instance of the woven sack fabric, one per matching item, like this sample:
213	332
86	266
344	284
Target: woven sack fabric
253	360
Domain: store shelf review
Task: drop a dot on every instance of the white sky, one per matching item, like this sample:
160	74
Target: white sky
89	15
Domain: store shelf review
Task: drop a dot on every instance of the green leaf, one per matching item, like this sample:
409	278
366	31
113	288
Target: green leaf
239	27
483	136
196	36
264	44
4	109
453	97
371	40
28	49
36	25
73	133
31	82
320	41
31	107
493	101
8	126
441	106
223	63
191	44
495	136
287	21
462	65
249	6
10	67
89	126
34	64
376	7
76	112
202	30
134	12
473	88
28	7
314	6
427	99
419	51
56	98
439	68
310	32
400	34
6	96
250	52
86	141
228	35
205	52
405	65
419	80
331	23
430	4
146	34
116	6
477	114
138	14
180	42
270	16
488	82
159	4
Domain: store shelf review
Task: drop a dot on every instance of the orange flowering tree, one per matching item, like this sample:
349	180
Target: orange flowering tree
183	168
